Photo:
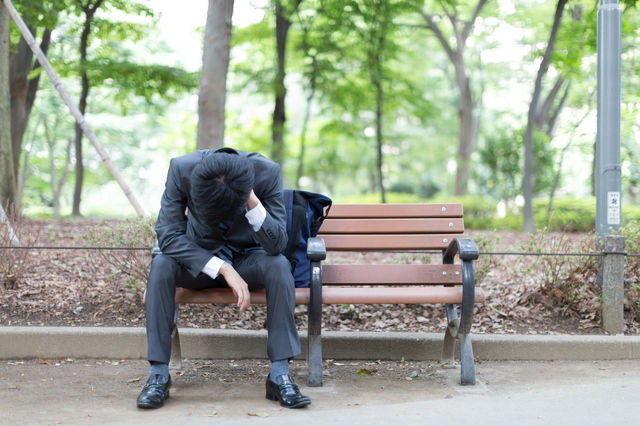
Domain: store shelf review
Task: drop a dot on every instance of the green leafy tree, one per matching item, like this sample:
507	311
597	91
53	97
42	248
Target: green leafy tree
103	61
284	11
453	39
41	18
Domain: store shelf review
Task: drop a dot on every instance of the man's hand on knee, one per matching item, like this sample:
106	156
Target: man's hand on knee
237	284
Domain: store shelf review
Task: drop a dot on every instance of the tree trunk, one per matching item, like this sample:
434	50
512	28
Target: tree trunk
20	66
529	224
305	123
283	22
22	177
89	11
279	117
213	80
310	96
23	90
56	187
379	138
7	175
469	130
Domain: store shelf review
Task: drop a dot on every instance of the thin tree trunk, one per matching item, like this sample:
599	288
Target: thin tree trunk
279	117
379	138
283	22
529	224
377	45
89	11
7	175
22	177
56	187
213	80
466	104
23	90
305	123
310	96
467	134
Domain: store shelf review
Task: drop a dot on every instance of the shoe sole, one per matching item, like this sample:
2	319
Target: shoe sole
143	405
272	397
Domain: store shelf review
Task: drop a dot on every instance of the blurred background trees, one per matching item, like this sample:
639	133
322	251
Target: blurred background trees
366	101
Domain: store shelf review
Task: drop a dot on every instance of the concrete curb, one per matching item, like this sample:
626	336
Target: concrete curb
130	343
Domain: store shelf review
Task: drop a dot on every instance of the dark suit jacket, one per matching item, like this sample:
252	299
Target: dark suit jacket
192	244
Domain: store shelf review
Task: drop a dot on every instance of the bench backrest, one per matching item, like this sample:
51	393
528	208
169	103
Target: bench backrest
374	227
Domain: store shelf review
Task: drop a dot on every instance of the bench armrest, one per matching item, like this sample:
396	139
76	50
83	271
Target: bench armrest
155	250
316	250
466	248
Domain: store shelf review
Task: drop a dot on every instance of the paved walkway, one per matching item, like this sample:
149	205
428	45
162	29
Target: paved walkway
507	393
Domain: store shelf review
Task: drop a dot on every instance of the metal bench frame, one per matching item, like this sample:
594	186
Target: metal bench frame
441	290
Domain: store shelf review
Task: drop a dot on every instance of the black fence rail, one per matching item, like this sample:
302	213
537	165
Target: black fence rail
490	253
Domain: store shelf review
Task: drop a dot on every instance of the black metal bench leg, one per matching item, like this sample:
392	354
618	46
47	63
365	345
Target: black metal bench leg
468	252
468	372
468	369
449	346
314	354
175	363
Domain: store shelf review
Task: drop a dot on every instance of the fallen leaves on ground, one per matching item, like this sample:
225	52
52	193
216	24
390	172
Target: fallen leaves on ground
78	288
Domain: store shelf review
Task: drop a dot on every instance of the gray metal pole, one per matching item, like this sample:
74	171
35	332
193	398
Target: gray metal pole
608	177
608	169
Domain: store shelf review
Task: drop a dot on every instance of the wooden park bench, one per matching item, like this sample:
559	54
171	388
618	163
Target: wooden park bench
382	227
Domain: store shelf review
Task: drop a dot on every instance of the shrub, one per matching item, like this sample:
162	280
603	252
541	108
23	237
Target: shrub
402	187
568	281
133	264
14	262
486	262
631	230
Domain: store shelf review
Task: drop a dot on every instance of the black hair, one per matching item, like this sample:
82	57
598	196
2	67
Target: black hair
220	187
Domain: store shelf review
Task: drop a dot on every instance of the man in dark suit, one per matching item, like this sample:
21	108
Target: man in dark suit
222	223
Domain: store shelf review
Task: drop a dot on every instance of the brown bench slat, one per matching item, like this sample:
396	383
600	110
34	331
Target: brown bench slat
356	211
338	295
339	242
391	274
392	226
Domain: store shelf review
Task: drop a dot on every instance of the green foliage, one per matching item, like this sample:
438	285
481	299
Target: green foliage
402	187
374	198
131	265
147	81
502	159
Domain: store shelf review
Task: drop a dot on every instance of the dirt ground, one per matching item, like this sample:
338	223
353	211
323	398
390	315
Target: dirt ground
79	392
81	288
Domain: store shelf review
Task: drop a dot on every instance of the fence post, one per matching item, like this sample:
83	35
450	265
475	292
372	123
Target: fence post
613	284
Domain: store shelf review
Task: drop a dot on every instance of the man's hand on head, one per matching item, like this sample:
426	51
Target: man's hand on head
253	201
237	284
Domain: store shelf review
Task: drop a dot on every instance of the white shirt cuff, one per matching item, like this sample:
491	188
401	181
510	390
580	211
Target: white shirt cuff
256	216
212	268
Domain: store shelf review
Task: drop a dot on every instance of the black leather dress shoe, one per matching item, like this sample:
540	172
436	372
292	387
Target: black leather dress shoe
154	392
287	392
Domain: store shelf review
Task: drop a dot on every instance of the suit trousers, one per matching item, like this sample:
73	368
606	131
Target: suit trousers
258	269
